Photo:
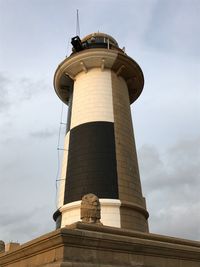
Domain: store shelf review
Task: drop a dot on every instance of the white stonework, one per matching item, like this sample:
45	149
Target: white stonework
63	172
70	213
110	212
92	97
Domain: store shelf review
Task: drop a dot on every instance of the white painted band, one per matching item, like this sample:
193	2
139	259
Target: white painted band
92	97
62	178
110	212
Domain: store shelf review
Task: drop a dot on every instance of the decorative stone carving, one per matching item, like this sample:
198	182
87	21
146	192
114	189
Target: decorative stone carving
2	246
90	209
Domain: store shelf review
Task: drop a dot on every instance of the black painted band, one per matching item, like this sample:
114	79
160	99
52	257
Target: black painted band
91	166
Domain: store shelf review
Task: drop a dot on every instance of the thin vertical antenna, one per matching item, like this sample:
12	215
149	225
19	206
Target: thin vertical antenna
77	24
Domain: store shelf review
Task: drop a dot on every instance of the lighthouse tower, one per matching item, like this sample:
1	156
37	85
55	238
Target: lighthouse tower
98	82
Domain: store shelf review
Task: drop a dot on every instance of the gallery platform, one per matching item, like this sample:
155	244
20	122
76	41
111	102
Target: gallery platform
91	245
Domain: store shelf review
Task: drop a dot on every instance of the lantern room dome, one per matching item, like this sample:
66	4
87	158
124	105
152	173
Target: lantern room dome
99	37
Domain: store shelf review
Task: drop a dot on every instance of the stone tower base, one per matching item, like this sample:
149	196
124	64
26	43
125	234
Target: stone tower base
84	245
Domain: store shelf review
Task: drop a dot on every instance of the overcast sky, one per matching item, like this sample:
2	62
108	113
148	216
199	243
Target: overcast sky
163	36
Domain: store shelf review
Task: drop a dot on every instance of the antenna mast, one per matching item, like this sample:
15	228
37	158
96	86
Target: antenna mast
77	24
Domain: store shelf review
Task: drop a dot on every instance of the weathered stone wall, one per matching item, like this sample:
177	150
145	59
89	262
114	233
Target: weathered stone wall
98	246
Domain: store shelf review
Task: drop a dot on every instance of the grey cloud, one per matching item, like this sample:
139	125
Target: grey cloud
4	87
168	178
43	134
19	89
9	218
178	165
23	226
171	182
30	88
175	27
177	220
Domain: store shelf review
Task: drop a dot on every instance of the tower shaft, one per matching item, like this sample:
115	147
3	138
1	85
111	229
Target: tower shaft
99	155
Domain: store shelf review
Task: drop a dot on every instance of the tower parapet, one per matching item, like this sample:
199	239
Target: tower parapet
98	82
